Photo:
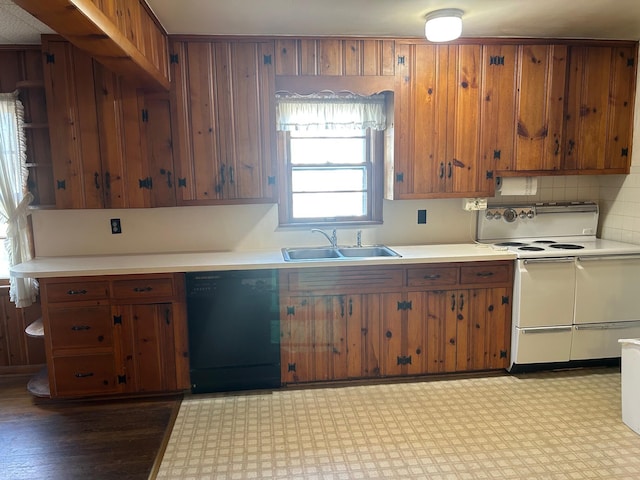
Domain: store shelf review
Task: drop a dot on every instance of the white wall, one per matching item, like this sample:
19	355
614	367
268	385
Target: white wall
236	227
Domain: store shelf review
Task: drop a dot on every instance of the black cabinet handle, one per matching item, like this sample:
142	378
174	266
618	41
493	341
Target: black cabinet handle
231	175
79	328
484	274
350	307
453	302
84	375
222	174
461	301
95	180
167	317
434	276
142	289
169	180
76	292
441	175
449	170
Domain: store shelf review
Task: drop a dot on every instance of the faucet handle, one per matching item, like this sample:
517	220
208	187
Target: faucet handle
359	238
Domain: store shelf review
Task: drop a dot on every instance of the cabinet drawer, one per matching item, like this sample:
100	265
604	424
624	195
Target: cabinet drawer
437	276
80	327
485	274
85	374
143	288
76	291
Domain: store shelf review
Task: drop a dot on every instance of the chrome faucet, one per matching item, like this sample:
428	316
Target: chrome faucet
333	239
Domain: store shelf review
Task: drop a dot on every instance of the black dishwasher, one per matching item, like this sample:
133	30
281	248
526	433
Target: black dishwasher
234	330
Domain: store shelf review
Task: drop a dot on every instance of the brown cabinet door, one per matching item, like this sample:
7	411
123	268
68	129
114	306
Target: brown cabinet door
363	335
147	347
463	128
484	332
224	121
73	126
497	132
440	331
599	121
297	340
540	107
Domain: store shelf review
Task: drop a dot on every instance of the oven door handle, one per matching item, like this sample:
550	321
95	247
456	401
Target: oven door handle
607	326
549	260
545	330
623	256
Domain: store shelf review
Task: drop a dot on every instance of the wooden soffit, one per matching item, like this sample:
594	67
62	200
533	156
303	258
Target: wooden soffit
83	24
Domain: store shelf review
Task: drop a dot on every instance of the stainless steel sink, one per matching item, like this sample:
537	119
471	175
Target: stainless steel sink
340	253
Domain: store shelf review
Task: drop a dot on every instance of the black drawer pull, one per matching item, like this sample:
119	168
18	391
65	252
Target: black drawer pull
78	328
142	289
76	292
84	375
484	274
433	276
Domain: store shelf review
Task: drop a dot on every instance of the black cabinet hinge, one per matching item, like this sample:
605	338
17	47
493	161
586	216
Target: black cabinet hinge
145	183
271	180
291	367
625	152
61	184
122	379
50	57
489	174
400	59
182	182
404	305
291	310
496	154
404	360
496	60
117	319
399	177
503	354
173	58
630	62
145	115
266	59
505	300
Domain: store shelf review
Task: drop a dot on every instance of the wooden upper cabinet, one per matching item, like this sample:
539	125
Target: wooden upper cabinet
225	122
574	109
539	104
498	111
123	35
598	117
111	144
437	123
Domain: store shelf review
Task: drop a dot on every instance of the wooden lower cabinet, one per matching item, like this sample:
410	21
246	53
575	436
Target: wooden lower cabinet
115	335
389	331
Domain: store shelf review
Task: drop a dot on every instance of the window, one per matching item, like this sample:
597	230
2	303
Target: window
331	151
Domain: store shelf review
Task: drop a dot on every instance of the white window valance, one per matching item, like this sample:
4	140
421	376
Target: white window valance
330	112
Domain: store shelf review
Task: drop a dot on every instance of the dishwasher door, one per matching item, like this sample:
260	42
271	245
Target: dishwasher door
234	330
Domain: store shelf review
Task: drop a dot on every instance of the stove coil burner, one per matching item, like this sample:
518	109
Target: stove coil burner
531	249
567	246
546	242
510	244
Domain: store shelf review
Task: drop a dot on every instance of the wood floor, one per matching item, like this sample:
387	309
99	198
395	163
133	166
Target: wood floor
41	439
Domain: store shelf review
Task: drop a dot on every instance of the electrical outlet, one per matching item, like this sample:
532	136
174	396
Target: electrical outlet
115	226
422	216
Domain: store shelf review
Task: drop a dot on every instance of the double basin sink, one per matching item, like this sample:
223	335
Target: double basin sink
337	253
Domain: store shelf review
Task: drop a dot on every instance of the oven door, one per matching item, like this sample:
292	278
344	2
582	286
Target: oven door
607	305
544	290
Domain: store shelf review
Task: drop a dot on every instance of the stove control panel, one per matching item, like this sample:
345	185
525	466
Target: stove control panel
510	214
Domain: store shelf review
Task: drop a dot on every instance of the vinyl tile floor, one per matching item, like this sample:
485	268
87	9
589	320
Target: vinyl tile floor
551	425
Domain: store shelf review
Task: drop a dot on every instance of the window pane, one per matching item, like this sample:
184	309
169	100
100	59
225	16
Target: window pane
329	205
329	180
317	148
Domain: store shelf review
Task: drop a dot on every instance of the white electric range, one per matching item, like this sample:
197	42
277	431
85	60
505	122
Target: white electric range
575	295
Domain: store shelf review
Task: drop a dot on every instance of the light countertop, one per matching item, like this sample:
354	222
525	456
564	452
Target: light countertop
43	267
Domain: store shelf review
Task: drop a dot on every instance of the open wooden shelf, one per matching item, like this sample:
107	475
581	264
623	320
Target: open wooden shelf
38	386
35	329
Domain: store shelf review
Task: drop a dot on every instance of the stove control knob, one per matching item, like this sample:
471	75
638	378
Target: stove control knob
530	214
489	214
522	214
510	215
497	215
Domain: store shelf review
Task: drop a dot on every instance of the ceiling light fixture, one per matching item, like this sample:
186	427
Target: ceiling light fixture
443	25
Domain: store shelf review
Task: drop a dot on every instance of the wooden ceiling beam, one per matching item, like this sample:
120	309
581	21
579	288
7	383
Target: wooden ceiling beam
88	28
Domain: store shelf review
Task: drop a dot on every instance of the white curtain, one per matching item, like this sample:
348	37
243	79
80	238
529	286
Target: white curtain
14	201
332	112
